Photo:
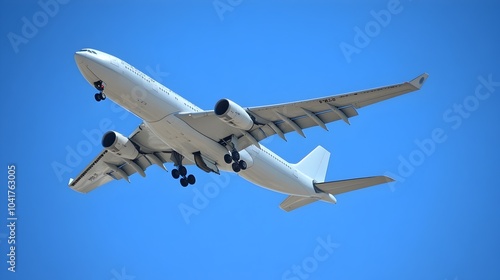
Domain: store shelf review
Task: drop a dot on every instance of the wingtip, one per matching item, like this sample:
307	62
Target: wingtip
419	81
388	179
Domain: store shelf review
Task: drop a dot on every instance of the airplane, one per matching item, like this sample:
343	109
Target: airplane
227	138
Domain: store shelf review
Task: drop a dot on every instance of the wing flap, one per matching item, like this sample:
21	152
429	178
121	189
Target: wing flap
329	116
101	171
94	175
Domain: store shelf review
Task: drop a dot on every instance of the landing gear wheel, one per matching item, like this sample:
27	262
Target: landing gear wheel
236	167
235	155
242	164
175	173
99	96
191	179
228	159
184	182
182	171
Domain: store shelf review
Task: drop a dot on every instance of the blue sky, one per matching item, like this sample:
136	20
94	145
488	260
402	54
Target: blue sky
440	220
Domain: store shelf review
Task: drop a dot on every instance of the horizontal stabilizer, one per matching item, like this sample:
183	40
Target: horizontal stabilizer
293	202
338	187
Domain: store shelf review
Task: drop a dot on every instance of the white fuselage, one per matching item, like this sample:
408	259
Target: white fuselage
157	106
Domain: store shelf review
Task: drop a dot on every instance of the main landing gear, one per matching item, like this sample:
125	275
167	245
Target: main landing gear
99	85
237	164
234	159
181	171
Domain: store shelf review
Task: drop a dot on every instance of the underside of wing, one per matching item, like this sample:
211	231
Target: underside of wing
108	166
281	119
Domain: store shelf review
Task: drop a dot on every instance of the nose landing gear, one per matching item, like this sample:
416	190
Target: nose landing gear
99	85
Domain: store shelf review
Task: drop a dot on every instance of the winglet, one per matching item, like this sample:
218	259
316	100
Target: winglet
419	81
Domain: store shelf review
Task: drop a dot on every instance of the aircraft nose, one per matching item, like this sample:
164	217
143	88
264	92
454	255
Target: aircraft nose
78	57
81	56
87	61
84	55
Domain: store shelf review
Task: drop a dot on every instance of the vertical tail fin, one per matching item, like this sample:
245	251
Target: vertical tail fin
315	164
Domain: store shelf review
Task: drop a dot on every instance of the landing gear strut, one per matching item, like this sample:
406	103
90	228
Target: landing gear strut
99	85
181	171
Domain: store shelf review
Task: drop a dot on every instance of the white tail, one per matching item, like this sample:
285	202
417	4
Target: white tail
315	164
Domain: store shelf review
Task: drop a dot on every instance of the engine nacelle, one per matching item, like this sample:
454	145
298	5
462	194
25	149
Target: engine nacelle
233	114
119	145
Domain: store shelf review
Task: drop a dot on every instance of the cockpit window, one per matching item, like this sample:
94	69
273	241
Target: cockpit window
87	50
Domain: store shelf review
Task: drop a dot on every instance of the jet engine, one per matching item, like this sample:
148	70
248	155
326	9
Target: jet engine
233	114
119	145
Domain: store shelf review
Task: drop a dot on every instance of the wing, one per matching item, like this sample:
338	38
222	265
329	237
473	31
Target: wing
283	118
107	166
